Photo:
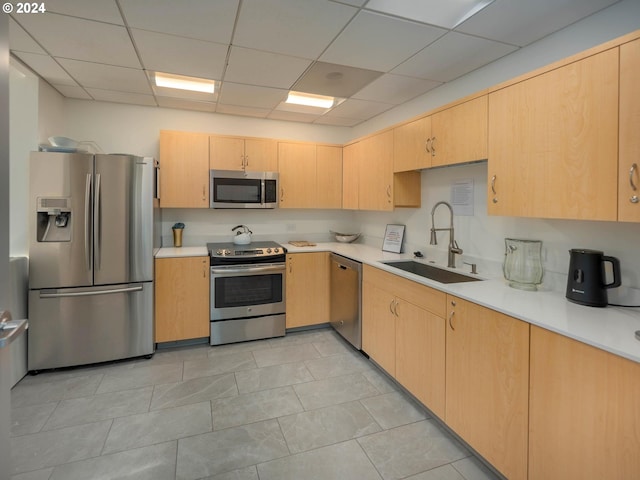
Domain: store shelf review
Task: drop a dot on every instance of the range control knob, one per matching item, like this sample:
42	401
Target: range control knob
226	252
219	252
268	250
276	250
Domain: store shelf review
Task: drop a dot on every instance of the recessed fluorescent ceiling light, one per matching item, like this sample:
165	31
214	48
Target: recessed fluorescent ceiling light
310	100
181	82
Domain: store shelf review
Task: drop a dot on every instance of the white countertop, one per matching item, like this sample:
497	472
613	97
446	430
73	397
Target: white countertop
611	328
173	252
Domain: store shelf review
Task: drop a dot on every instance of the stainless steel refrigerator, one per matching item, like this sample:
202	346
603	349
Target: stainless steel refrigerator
90	258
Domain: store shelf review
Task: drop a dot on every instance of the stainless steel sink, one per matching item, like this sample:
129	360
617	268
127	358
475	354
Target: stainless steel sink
431	272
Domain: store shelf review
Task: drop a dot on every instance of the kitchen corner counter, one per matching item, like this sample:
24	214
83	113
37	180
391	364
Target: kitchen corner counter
175	252
611	329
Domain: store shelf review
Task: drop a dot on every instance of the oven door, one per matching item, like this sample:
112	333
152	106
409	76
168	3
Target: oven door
242	291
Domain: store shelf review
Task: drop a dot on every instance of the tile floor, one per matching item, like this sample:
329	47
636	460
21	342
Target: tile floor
305	406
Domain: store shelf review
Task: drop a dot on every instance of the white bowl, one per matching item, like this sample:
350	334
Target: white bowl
346	237
63	142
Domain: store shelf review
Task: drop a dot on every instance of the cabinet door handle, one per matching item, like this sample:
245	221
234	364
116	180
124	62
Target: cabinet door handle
634	168
391	307
450	320
395	309
204	268
427	145
281	194
389	193
290	265
493	189
246	160
433	146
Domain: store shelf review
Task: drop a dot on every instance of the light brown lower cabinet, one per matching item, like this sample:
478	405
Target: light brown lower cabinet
403	331
307	289
181	298
487	378
584	419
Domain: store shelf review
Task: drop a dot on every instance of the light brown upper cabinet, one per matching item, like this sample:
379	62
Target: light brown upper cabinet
376	173
487	384
310	175
411	145
239	153
329	176
629	174
351	175
184	169
456	134
377	186
553	143
460	133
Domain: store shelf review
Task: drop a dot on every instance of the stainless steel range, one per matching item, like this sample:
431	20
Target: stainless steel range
247	291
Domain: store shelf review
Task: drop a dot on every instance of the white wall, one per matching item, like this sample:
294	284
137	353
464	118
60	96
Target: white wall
282	225
135	129
23	111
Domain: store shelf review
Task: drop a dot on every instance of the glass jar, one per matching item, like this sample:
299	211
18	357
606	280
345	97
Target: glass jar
523	263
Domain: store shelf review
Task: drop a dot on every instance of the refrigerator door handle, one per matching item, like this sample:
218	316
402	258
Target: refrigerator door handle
98	223
87	225
137	288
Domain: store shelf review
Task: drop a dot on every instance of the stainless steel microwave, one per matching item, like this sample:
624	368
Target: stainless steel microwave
240	189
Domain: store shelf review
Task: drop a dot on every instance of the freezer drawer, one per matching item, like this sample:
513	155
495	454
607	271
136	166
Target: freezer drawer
79	326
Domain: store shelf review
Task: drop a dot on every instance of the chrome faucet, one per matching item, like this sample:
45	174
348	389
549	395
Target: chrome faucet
453	245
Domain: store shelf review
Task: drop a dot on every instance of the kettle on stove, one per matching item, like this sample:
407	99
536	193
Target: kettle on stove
586	284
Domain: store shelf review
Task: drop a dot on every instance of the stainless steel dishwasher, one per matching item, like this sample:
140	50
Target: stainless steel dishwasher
346	298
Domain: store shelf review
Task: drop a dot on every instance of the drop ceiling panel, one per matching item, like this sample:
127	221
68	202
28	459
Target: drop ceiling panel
290	27
445	14
79	39
334	80
20	40
359	46
395	89
360	109
122	97
101	10
47	68
107	77
186	104
251	96
184	56
263	68
521	22
452	56
202	19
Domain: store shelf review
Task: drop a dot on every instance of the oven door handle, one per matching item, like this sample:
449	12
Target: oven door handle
251	269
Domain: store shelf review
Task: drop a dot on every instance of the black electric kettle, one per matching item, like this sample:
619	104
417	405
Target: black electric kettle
586	283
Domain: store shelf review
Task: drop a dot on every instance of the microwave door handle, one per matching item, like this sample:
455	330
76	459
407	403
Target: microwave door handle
263	186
